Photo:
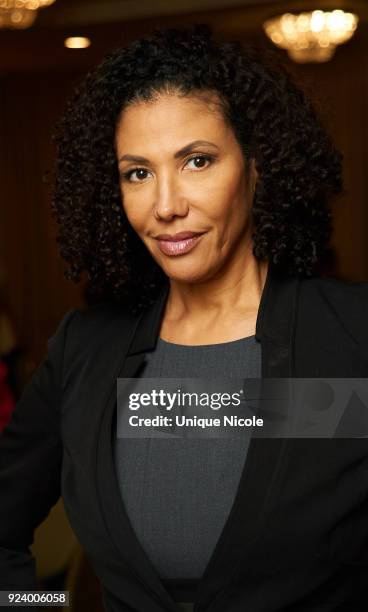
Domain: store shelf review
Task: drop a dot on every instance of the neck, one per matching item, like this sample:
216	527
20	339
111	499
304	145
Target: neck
237	291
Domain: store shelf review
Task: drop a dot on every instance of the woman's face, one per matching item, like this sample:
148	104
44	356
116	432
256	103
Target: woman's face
182	170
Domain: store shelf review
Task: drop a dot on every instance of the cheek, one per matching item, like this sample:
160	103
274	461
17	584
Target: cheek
133	206
227	200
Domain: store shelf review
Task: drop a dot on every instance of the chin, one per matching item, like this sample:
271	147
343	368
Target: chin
186	274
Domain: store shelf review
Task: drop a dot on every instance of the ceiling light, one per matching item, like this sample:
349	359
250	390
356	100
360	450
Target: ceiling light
77	42
20	14
312	36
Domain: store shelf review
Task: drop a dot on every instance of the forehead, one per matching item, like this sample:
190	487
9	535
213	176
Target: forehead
170	120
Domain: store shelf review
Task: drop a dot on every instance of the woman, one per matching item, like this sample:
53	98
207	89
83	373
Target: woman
192	186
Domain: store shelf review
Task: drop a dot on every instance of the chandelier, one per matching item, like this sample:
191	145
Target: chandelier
312	36
20	14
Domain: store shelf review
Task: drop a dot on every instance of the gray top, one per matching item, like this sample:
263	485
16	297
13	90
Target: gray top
178	492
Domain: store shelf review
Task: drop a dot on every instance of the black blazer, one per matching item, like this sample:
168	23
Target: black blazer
296	539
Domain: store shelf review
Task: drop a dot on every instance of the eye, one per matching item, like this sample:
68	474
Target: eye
136	175
199	161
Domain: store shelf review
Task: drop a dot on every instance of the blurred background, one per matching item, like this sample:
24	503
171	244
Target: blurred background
43	55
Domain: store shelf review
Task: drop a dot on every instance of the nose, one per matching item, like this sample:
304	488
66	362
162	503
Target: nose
169	199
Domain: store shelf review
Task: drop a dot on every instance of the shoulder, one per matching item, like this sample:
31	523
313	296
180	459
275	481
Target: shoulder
84	329
330	287
99	317
346	297
332	304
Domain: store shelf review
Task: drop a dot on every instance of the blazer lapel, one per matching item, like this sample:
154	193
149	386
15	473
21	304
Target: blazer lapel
116	518
275	330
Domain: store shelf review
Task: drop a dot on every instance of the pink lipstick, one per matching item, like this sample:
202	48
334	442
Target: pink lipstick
178	244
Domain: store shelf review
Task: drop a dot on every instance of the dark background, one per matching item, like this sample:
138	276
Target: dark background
37	74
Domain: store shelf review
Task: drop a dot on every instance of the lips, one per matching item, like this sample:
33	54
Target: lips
177	237
177	244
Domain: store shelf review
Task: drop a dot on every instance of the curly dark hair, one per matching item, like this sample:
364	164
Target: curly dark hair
274	122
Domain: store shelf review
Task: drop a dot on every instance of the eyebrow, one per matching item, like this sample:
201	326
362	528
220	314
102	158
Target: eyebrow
183	151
